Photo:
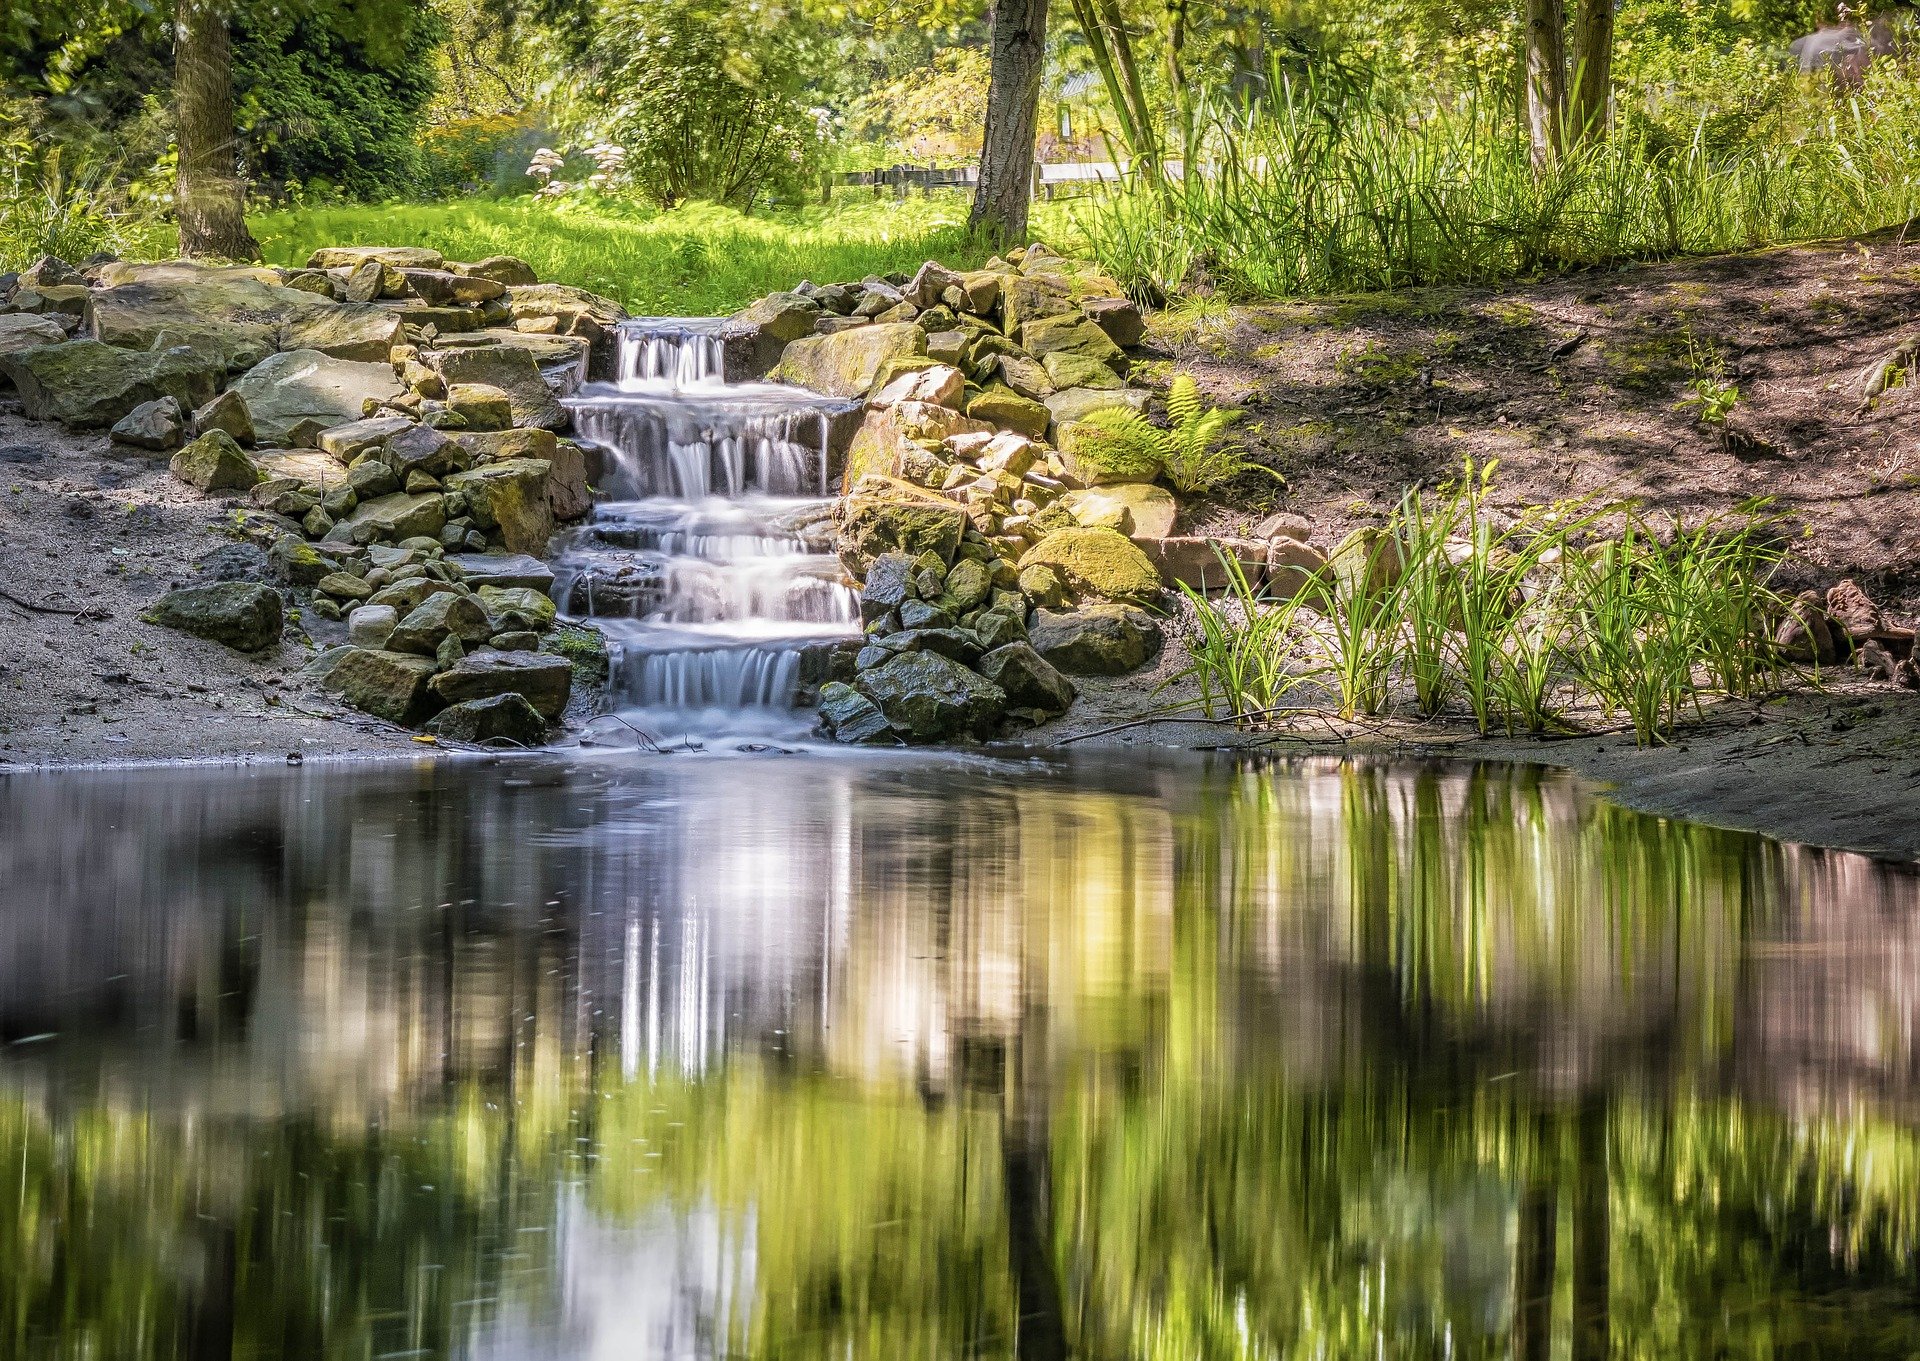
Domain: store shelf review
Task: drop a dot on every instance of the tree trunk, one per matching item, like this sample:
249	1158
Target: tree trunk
209	201
1592	1234
1013	116
1592	69
1546	79
1533	1271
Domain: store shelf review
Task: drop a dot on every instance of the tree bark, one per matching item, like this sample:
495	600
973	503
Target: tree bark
1592	69
209	200
1018	59
1546	79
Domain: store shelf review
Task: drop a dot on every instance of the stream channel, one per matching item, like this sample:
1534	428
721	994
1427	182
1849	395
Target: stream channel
765	1050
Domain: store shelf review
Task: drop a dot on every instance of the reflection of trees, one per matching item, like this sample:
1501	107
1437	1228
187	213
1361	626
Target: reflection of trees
1184	1062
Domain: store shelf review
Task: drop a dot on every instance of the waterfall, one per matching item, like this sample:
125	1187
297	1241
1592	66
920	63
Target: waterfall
708	565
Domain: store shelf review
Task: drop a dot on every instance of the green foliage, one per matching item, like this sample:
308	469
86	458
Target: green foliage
695	260
706	99
1190	451
1514	623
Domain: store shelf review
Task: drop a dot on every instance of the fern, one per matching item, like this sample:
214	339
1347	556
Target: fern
1191	450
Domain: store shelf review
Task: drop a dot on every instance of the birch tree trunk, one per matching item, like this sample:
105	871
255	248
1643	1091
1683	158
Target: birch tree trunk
209	200
1546	79
1018	59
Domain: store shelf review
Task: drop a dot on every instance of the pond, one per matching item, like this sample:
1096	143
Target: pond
942	1057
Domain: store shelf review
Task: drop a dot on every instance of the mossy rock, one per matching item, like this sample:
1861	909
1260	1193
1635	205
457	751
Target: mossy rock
216	462
894	517
512	497
1005	409
243	615
851	363
1067	369
1072	334
1098	564
1097	639
87	385
389	685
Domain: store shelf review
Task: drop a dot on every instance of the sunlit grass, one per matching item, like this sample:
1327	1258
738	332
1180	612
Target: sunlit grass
698	260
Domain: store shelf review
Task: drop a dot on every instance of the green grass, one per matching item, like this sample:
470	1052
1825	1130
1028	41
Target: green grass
697	260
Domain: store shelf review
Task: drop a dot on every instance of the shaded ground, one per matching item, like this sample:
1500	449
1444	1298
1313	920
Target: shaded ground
1575	384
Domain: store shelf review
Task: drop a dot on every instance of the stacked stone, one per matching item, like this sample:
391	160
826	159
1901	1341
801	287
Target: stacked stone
392	419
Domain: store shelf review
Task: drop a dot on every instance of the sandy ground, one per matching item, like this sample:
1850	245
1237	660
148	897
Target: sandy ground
97	533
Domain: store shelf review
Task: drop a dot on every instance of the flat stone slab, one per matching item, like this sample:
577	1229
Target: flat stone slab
503	569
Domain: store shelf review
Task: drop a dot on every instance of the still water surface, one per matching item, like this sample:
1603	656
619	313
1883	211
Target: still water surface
926	1058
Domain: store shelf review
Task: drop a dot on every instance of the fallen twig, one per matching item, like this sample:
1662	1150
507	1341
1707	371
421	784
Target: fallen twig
86	611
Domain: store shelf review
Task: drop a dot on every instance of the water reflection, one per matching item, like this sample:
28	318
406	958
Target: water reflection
877	1058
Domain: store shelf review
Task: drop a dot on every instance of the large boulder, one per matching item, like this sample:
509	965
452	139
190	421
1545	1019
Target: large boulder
932	698
544	680
216	462
85	384
1096	640
302	385
892	517
775	321
348	331
573	311
1032	299
389	685
510	496
510	369
1073	334
849	716
437	618
444	288
849	363
1097	564
507	718
243	615
233	314
503	569
1139	510
1071	405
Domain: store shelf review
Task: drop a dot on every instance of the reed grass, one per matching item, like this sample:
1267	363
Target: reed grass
1450	609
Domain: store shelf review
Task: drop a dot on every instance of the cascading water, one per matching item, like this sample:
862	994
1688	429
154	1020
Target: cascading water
709	565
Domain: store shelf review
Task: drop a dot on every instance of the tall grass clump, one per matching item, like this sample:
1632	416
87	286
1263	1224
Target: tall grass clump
52	204
1330	184
1510	621
695	260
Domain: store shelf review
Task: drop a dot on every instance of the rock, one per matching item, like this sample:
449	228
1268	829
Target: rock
886	517
508	370
1002	407
320	471
1072	334
1119	318
243	615
892	441
444	288
480	406
25	331
518	608
936	385
343	586
1196	562
967	585
1097	564
1030	681
301	385
389	685
297	562
512	497
888	586
422	449
348	331
1066	369
574	311
1293	566
931	283
85	384
1069	406
215	462
232	315
569	497
392	518
347	442
849	716
849	363
1096	640
982	288
518	640
1805	634
366	281
227	412
155	425
1029	300
1139	510
437	618
932	698
504	269
50	271
393	257
1284	525
775	320
546	681
1852	613
1368	562
507	718
497	446
503	569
